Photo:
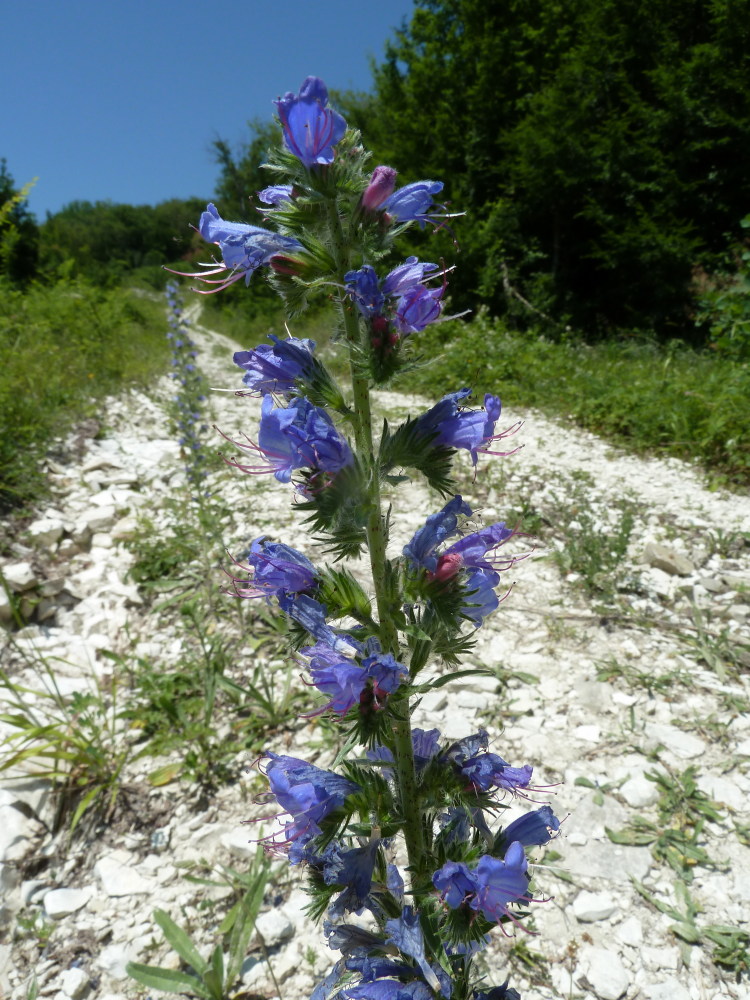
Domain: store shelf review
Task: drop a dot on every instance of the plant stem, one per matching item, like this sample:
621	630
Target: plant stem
377	541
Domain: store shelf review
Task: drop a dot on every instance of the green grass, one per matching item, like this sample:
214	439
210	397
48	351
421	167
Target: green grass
668	399
64	346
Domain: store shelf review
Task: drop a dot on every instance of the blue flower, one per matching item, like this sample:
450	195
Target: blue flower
307	793
338	677
388	989
311	129
300	436
412	203
311	615
407	276
503	992
491	887
244	249
277	570
416	305
486	770
420	551
405	933
534	829
276	368
276	194
418	308
450	426
455	883
363	288
500	883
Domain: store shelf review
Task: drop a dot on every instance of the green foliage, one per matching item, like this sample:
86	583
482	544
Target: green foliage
673	400
64	346
19	233
683	811
724	305
105	243
597	148
75	741
215	978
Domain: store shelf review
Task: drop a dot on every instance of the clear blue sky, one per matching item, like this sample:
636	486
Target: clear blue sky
120	100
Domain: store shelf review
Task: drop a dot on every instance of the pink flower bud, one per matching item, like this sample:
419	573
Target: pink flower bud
381	186
448	565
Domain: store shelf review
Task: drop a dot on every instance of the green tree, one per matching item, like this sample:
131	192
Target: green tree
19	233
598	147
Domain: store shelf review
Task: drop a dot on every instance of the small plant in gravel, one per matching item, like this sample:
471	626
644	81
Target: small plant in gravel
677	835
403	823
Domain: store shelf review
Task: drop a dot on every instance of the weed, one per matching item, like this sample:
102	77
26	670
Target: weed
661	684
75	741
731	949
716	649
600	790
683	811
594	551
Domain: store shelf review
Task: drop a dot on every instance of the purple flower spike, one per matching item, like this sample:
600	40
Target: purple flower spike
307	793
500	883
412	203
311	129
278	367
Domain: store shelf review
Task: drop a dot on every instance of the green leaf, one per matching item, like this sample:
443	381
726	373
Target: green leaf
166	980
163	775
687	932
633	838
180	942
439	682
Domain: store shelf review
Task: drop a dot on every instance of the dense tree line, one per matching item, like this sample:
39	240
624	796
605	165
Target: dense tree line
600	147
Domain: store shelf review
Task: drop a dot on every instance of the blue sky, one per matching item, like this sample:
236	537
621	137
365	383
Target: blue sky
120	100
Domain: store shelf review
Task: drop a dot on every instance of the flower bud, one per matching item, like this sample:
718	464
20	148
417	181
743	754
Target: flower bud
381	186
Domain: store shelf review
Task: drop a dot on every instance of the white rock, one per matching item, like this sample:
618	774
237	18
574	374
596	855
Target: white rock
46	530
114	958
19	576
16	830
591	906
74	983
639	792
630	932
118	877
60	902
98	519
274	926
238	842
683	745
604	970
670	989
589	733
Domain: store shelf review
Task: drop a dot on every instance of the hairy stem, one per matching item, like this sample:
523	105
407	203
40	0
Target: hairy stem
376	543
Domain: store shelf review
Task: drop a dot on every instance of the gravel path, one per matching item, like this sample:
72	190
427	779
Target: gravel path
622	660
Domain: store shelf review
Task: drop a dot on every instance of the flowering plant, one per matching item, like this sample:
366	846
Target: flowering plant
403	825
